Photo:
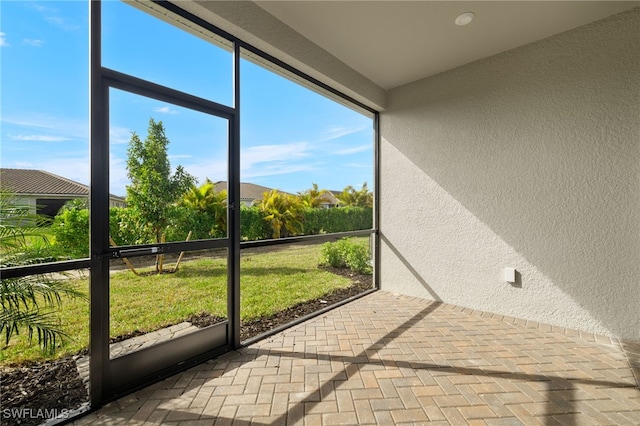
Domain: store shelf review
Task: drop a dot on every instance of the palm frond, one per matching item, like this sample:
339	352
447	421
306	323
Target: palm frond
34	290
35	321
28	303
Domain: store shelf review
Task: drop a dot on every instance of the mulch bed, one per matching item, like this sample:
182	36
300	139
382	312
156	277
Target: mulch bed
360	284
57	384
37	391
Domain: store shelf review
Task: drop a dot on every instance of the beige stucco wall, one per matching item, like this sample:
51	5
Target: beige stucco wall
529	159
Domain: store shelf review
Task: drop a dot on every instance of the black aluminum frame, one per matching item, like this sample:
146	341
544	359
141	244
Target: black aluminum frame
101	79
119	375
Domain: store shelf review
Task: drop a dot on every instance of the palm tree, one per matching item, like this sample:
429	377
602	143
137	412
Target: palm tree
27	303
283	212
350	197
205	199
312	197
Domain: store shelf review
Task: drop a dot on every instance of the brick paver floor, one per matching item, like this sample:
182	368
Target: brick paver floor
391	359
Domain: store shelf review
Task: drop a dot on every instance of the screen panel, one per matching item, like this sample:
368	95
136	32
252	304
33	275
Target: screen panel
166	167
144	46
148	308
306	160
45	133
282	283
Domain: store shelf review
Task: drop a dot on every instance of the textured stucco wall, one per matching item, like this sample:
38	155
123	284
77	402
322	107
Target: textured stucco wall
528	159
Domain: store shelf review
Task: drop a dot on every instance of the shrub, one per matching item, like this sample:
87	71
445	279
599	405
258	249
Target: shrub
358	258
125	227
334	254
71	229
347	253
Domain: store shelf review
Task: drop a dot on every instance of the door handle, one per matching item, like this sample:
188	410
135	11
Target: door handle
136	252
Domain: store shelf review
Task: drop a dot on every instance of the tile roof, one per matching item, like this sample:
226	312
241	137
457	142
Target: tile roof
25	181
330	197
248	191
40	182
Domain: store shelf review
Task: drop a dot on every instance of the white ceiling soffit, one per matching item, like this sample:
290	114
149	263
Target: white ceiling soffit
396	42
252	24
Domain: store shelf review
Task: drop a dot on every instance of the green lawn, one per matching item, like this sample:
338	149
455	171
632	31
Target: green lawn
270	282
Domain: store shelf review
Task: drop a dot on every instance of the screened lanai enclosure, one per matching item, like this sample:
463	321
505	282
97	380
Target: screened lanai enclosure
251	163
240	173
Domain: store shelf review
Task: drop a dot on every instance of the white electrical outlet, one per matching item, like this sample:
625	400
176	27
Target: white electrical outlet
510	275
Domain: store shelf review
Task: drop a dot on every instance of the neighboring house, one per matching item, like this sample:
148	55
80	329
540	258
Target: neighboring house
329	199
46	191
250	193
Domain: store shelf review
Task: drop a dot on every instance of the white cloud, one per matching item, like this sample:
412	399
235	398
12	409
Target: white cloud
32	120
70	128
273	170
360	165
23	165
119	135
337	132
213	169
32	42
3	40
271	160
118	179
39	138
53	17
354	150
269	153
165	110
256	161
62	22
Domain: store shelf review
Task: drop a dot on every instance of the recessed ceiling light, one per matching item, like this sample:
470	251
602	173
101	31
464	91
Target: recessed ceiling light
465	18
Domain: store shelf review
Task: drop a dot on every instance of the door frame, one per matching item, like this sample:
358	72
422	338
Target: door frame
110	378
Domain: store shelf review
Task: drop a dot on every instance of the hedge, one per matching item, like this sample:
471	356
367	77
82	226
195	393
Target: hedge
340	219
252	225
71	226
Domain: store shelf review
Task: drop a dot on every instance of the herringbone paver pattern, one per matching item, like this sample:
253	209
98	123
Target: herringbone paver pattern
389	359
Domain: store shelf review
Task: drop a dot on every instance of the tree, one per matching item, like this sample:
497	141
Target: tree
353	198
283	212
312	197
27	303
205	199
153	187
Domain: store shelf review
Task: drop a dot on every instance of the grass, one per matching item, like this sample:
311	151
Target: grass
270	282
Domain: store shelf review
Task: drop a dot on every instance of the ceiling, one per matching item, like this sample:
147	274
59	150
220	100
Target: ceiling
396	42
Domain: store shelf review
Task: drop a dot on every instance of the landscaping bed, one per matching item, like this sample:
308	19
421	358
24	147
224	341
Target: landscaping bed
360	284
31	394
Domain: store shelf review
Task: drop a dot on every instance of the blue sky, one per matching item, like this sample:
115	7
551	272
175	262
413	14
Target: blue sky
290	135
